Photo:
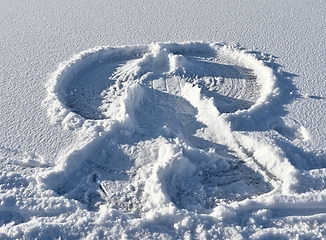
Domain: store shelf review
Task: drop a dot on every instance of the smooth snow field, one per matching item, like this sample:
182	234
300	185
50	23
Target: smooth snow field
163	119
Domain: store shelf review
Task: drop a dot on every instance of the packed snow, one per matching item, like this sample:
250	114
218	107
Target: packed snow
165	120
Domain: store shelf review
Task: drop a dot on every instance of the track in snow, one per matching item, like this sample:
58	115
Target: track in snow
155	139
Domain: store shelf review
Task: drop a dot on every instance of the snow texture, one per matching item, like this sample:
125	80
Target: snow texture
154	136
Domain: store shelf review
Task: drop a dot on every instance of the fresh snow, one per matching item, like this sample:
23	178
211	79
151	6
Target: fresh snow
163	120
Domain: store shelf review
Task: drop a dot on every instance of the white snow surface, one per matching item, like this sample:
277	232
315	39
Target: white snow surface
163	119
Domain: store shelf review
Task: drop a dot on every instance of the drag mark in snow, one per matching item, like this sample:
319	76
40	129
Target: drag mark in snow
156	133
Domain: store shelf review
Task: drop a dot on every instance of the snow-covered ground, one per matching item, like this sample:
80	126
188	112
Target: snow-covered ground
163	119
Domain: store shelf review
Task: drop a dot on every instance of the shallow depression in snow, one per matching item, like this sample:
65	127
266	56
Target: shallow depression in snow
157	136
91	83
